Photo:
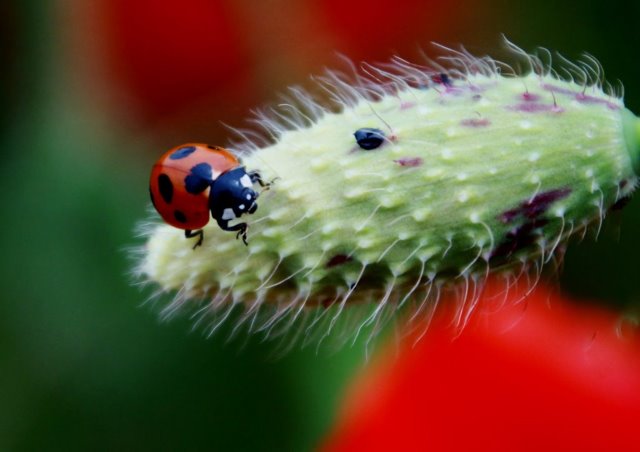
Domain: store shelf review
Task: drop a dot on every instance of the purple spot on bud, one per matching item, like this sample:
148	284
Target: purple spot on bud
519	238
581	97
338	259
541	202
585	99
407	105
535	107
529	97
475	122
620	203
509	215
409	161
558	89
534	207
454	90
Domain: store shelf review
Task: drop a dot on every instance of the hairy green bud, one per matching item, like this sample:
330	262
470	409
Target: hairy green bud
450	176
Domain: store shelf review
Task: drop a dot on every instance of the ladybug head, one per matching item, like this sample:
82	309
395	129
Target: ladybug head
233	192
246	202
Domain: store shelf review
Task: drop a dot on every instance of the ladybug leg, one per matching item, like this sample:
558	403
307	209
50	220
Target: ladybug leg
256	178
243	233
188	233
240	227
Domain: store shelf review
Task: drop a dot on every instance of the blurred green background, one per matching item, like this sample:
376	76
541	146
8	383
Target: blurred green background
94	92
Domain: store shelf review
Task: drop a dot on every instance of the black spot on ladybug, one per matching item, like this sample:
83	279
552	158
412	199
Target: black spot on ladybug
199	178
338	259
166	188
180	216
182	152
369	138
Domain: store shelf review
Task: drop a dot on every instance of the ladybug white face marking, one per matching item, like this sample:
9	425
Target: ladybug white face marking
241	207
228	214
246	181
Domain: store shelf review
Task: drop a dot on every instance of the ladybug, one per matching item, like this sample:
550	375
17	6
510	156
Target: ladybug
191	181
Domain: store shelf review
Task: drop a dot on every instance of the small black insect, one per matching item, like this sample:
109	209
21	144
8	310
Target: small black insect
442	79
368	138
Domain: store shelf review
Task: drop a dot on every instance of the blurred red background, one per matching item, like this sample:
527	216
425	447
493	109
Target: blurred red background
529	372
180	67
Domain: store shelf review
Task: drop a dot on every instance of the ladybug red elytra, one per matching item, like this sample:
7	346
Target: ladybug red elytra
193	180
